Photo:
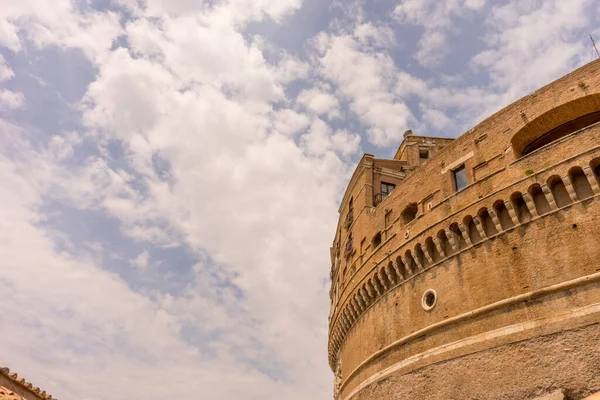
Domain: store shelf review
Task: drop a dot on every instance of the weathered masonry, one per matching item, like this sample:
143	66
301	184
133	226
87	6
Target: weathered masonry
470	268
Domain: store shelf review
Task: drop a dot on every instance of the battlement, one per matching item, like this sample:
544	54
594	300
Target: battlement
452	238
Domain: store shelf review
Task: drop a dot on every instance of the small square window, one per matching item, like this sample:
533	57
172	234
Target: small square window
387	187
423	154
459	176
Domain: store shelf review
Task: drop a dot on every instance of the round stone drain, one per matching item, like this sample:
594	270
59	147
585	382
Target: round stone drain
429	299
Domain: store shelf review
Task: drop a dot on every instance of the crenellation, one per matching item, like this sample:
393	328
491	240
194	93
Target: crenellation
479	227
452	240
511	212
592	180
465	234
530	205
428	255
494	216
549	197
569	187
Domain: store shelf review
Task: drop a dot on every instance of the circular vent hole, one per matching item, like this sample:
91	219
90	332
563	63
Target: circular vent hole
429	299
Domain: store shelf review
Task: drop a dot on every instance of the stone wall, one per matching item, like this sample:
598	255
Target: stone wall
516	246
566	361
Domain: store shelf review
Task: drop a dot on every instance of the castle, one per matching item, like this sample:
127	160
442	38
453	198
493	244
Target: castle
470	268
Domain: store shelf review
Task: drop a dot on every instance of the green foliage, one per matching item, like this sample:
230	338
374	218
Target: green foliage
529	172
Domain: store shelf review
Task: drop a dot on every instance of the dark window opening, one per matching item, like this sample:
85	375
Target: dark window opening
350	216
409	213
559	192
386	188
423	154
459	176
348	248
562	131
376	240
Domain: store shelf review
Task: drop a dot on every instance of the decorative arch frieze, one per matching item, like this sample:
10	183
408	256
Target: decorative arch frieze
522	207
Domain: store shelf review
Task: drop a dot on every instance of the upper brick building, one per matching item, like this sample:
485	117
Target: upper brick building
470	268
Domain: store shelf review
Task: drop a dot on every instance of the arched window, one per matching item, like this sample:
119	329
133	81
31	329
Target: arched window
503	215
444	243
581	185
523	213
562	131
539	199
472	231
420	255
460	240
595	166
401	268
557	123
559	191
488	224
431	248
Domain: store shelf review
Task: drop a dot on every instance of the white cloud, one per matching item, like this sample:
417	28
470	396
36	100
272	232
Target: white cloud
100	329
436	118
141	260
291	68
233	186
193	140
367	80
10	100
529	36
407	85
58	23
375	36
8	35
320	102
522	37
345	142
436	17
288	122
317	140
6	72
320	140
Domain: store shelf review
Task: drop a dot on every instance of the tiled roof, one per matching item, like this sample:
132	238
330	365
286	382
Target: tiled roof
20	381
6	394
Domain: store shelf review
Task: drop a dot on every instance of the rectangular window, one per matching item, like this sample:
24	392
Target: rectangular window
460	178
350	216
363	245
388	219
423	154
386	188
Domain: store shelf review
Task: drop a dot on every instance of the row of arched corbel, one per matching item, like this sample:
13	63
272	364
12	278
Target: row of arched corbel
579	184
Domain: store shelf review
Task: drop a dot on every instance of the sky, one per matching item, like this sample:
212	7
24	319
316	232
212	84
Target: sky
172	169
